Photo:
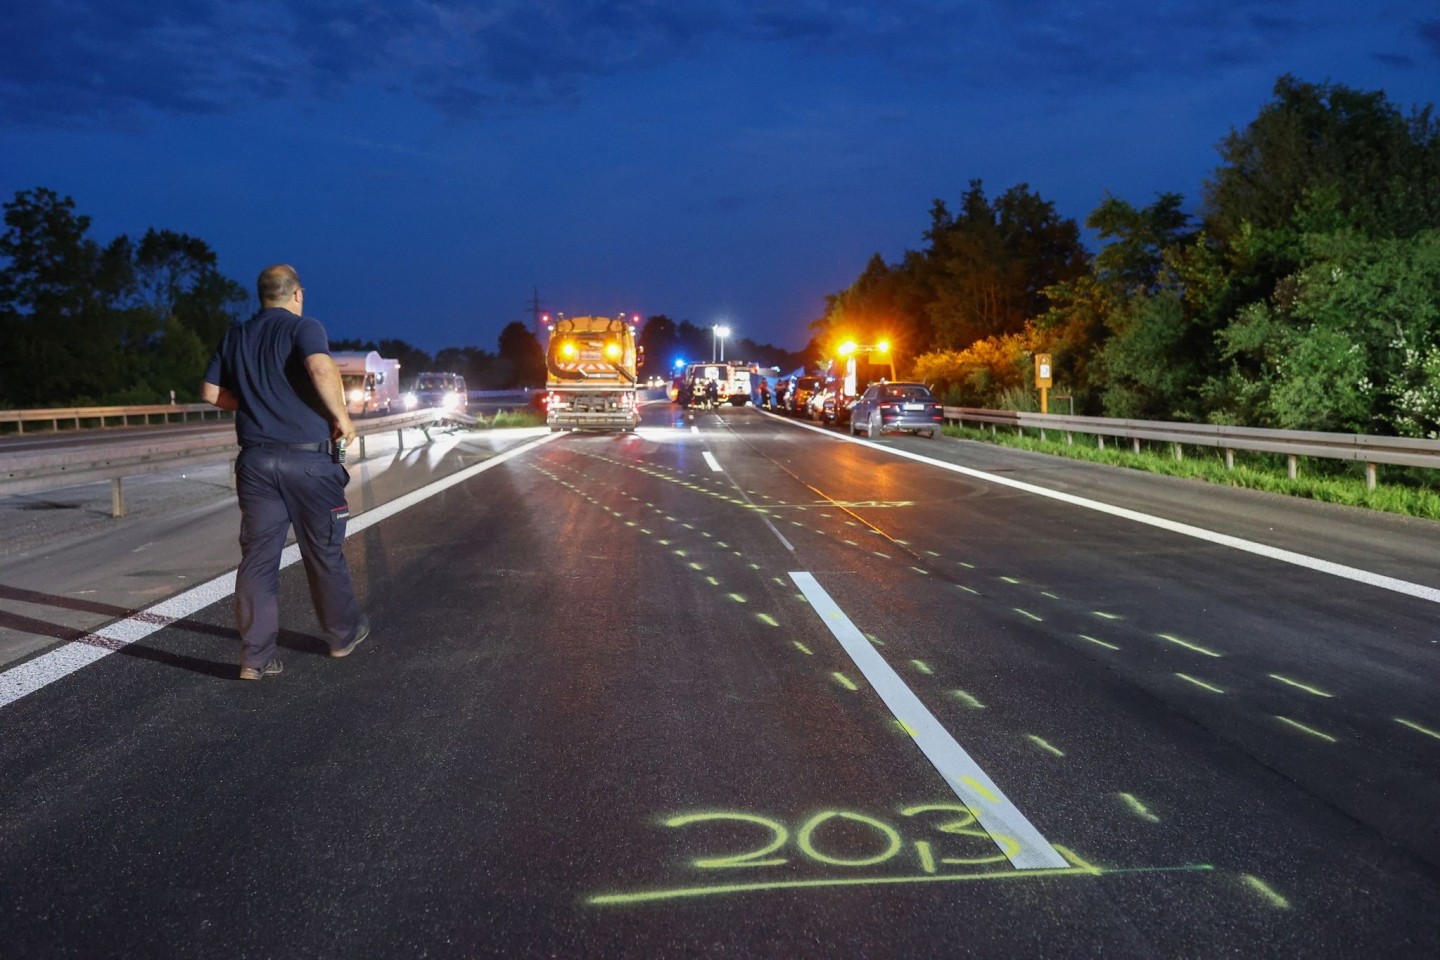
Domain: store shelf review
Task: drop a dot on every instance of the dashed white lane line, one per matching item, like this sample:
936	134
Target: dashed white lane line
25	678
710	459
1394	584
1027	849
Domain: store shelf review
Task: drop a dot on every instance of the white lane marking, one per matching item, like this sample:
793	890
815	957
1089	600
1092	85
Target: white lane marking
710	459
999	817
1394	584
32	675
694	429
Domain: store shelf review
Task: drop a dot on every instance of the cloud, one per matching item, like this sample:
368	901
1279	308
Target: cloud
113	62
1429	33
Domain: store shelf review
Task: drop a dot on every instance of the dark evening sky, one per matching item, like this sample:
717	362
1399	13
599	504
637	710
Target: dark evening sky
426	164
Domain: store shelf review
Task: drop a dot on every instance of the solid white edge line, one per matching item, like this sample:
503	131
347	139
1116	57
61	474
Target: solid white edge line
25	678
710	459
1394	584
996	813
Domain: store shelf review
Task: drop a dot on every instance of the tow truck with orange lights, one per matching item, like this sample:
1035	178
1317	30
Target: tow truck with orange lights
854	368
591	375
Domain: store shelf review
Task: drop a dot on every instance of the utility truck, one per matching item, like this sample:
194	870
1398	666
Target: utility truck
591	368
372	382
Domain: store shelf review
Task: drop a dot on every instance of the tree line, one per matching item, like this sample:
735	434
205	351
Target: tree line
128	322
1304	293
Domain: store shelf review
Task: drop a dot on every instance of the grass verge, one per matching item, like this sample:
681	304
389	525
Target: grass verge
1328	481
517	418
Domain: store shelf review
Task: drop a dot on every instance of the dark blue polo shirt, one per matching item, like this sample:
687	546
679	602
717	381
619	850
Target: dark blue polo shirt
262	362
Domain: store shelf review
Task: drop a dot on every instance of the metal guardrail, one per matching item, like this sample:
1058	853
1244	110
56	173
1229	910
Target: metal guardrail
31	472
1365	448
80	417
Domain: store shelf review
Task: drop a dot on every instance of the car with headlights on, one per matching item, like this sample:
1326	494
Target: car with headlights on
436	389
887	407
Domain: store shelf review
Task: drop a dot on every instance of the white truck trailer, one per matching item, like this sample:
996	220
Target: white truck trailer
372	382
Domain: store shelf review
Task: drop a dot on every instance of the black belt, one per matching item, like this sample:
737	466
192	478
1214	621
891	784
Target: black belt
320	447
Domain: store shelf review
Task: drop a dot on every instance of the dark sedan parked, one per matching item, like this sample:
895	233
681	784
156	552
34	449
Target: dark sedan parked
890	407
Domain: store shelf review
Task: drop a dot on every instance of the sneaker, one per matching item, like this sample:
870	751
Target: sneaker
361	635
269	670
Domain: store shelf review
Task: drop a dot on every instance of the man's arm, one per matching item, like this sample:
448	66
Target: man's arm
219	396
326	377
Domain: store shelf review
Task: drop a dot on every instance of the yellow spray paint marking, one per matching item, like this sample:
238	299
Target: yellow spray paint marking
874	639
1009	579
923	667
705	533
908	730
1186	644
979	788
932	553
682	553
967	699
696	566
802	598
738	598
766	619
921	570
851	543
779	580
647	533
1099	643
967	566
1138	808
753	566
968	589
802	648
1073	857
631	523
844	681
712	581
1046	593
1044	745
664	543
1107	616
796	523
1263	888
1302	686
722	544
1027	613
1310	730
715	890
1199	683
671	519
1415	726
927	859
884	556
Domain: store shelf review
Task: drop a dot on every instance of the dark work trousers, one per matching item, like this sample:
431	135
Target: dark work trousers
278	487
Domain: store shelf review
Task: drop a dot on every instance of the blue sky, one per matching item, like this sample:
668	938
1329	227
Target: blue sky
426	164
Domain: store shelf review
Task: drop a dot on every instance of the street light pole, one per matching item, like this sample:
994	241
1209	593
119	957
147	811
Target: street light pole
718	332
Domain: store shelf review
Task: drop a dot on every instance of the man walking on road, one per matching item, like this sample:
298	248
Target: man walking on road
275	371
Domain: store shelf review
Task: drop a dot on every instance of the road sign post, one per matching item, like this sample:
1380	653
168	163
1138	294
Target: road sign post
1043	380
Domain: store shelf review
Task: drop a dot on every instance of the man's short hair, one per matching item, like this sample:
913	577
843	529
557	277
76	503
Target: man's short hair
277	284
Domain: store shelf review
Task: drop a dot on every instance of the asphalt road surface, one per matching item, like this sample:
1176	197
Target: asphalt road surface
733	686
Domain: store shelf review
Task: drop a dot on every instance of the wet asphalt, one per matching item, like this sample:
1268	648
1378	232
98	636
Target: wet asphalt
597	717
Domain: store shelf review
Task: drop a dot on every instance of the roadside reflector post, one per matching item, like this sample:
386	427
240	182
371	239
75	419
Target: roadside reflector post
117	498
